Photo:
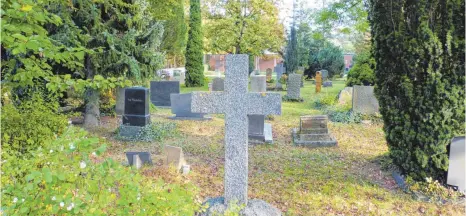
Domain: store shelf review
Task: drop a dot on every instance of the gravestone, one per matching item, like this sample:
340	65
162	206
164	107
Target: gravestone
179	75
160	92
181	107
175	156
258	130
328	84
313	132
143	156
218	84
210	86
268	73
364	100
236	103
457	164
324	74
279	69
293	87
136	114
345	96
120	101
318	81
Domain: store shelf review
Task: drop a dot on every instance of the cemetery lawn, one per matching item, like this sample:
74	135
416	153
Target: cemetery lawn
343	180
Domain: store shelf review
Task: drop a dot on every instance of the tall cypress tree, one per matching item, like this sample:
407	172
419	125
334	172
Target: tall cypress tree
291	58
419	53
194	54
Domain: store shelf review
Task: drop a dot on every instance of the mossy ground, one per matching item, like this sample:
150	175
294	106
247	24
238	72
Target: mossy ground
343	180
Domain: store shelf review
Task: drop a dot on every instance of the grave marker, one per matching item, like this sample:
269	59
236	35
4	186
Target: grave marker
175	156
318	81
364	100
258	130
293	87
268	73
144	157
120	101
457	164
279	70
218	84
181	107
160	92
236	103
313	132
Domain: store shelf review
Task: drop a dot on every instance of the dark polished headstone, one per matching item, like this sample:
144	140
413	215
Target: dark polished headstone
218	84
160	92
136	107
144	156
256	127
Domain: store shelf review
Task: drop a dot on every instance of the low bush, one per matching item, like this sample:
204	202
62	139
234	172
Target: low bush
432	191
69	176
362	72
28	125
155	131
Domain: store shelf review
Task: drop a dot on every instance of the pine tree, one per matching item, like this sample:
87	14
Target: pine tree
291	58
194	48
419	53
124	38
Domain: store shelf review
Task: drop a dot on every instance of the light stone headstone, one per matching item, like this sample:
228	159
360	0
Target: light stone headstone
137	161
293	87
179	75
345	96
236	103
175	156
457	164
218	84
364	100
313	132
120	101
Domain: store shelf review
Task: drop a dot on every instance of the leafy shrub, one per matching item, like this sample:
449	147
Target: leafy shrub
420	78
155	131
283	79
69	176
27	126
271	81
362	72
337	114
108	102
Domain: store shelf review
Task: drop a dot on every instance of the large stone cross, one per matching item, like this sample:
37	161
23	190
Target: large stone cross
236	103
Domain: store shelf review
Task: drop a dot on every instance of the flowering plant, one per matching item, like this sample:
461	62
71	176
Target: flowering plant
70	176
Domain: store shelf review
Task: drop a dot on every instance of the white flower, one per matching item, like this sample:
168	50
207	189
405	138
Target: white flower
93	153
61	148
72	146
82	165
48	163
22	200
51	151
15	200
4	161
70	122
62	204
69	208
54	198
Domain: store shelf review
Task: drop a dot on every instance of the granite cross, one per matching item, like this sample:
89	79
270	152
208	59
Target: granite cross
236	103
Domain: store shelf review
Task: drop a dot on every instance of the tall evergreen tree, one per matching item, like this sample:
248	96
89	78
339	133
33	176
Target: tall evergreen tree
419	52
124	38
175	35
194	48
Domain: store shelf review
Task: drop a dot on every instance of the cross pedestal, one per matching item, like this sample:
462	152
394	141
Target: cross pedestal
236	103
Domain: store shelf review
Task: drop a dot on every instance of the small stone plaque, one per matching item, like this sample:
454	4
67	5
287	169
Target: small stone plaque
328	84
313	124
144	156
175	156
160	92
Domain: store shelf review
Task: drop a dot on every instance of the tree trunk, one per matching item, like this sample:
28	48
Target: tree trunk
91	99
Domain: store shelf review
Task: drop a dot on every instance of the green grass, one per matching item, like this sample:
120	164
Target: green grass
343	180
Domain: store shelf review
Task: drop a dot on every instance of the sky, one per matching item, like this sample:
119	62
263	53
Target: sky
286	8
